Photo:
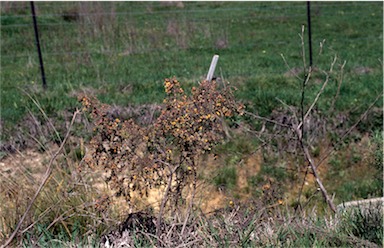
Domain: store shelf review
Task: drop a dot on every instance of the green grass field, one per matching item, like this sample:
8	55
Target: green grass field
123	51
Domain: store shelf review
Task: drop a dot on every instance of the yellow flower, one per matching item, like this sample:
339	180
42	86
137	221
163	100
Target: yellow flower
266	186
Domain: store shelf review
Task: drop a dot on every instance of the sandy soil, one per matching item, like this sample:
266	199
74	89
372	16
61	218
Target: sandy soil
30	166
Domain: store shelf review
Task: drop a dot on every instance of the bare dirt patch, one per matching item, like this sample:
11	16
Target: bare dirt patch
29	167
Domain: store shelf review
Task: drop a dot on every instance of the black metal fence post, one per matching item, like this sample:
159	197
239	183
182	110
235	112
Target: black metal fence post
38	45
309	31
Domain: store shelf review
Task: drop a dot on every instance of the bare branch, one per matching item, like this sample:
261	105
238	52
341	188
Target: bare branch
308	157
338	86
300	127
332	149
317	177
290	68
305	82
320	92
266	119
302	46
290	108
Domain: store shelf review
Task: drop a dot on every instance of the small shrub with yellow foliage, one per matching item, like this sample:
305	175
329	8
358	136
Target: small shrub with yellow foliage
164	153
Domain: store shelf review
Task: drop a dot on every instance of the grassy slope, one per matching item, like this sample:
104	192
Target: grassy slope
125	60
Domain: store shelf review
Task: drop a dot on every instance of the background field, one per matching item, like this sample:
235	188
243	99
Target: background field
121	52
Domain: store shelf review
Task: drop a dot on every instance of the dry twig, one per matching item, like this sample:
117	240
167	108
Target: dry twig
45	178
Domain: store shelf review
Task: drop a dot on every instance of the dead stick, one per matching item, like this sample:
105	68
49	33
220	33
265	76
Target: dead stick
308	157
317	177
45	178
266	119
319	93
338	86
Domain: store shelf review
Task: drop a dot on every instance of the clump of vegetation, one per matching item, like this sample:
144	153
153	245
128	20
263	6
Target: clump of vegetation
162	154
364	222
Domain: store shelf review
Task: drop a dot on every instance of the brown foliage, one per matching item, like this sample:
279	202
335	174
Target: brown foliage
138	158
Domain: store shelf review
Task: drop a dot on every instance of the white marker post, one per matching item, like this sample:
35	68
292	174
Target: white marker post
212	68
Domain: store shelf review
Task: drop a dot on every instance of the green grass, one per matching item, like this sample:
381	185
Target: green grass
255	33
354	174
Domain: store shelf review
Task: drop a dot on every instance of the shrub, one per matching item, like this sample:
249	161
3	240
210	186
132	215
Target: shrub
162	154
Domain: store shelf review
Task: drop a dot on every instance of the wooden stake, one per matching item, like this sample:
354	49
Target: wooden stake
212	68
